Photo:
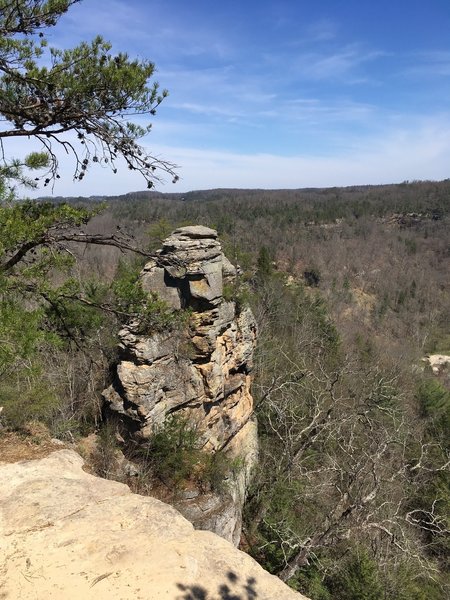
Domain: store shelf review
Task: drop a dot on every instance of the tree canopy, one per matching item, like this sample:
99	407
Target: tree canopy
80	99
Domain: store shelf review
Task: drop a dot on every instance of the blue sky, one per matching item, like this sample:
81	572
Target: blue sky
283	94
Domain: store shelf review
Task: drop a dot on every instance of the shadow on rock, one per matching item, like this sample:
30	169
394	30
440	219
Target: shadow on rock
232	590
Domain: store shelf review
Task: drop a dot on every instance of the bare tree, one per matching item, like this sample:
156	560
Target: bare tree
341	443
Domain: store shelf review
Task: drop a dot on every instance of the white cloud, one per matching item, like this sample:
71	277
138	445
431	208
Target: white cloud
155	30
419	153
400	156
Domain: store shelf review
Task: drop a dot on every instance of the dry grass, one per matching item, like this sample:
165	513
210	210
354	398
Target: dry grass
31	443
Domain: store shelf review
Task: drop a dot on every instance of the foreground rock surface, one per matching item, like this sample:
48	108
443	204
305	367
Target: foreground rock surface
65	534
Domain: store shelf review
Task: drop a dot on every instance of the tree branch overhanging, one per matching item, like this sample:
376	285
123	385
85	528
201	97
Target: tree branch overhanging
52	239
87	91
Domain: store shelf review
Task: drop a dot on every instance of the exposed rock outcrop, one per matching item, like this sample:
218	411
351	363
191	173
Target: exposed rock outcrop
200	371
439	363
65	534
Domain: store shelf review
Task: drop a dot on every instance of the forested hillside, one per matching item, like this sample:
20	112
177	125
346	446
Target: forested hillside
350	290
378	254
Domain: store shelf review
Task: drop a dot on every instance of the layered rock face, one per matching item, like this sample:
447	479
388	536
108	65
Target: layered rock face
201	371
65	534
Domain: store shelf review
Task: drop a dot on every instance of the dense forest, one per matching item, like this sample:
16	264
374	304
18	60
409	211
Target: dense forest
377	254
349	288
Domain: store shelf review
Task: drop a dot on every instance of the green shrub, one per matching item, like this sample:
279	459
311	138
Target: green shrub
357	580
174	454
25	401
152	313
238	293
434	402
312	277
104	457
264	263
310	582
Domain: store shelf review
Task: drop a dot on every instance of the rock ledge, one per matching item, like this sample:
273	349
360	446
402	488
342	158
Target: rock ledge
65	534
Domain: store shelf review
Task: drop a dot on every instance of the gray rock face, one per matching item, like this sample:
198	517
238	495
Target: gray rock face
201	371
189	266
222	512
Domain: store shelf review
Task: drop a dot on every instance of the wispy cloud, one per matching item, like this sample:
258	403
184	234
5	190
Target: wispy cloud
209	110
150	30
340	64
430	64
114	18
322	30
336	110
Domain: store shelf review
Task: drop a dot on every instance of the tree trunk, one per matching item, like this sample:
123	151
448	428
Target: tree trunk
299	560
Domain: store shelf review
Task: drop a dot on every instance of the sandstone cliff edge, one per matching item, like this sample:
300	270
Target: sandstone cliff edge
65	534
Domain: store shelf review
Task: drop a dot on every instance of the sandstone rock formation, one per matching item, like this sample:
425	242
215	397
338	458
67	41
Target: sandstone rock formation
203	372
65	534
200	371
